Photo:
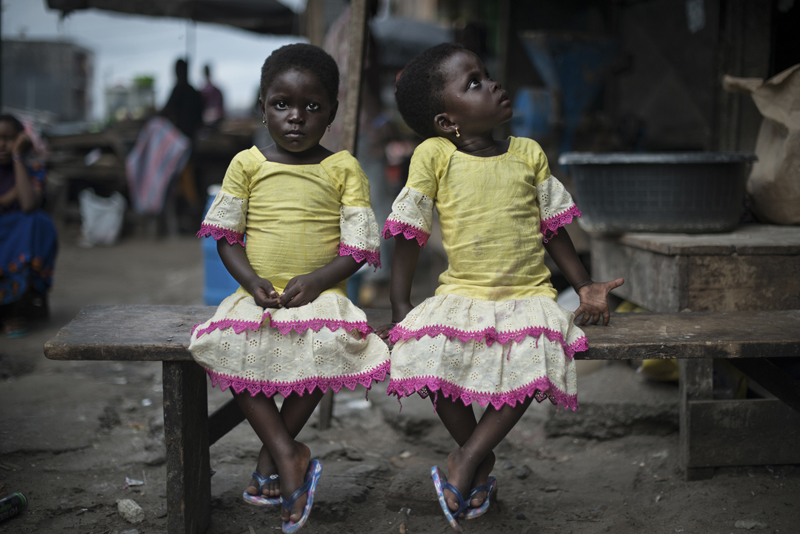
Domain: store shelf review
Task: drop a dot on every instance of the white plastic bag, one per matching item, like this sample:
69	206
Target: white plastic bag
101	218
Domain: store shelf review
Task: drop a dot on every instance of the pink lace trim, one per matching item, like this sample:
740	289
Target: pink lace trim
549	227
372	257
539	389
217	232
392	228
300	387
285	327
489	335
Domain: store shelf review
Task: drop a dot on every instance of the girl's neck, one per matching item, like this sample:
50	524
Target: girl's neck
312	156
482	146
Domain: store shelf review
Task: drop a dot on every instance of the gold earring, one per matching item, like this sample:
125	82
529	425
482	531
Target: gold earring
329	127
264	122
457	134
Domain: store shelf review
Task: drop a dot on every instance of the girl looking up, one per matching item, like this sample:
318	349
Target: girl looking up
292	222
493	334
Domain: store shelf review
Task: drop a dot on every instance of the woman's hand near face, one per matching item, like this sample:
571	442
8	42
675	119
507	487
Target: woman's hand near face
22	144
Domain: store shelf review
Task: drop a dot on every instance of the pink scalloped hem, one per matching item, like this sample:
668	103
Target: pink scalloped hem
372	257
284	327
489	335
217	232
549	227
308	385
539	389
393	228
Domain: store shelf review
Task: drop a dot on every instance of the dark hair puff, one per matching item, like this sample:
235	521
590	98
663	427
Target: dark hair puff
305	57
420	89
11	119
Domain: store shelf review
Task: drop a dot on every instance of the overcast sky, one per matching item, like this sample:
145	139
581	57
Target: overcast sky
126	46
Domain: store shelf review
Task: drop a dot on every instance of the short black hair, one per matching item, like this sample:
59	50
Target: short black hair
420	89
13	121
301	56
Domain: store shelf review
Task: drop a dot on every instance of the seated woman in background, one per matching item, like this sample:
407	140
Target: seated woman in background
28	241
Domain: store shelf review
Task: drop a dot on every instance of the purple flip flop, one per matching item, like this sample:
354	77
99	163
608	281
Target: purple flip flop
310	487
441	484
473	513
258	499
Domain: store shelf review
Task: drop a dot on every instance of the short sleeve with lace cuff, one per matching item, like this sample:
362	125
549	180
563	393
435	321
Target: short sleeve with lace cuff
360	235
412	210
556	207
227	216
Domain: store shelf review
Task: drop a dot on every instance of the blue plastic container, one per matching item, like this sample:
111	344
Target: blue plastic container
219	284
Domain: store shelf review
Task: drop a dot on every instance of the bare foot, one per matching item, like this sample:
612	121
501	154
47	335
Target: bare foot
265	467
460	473
482	477
292	470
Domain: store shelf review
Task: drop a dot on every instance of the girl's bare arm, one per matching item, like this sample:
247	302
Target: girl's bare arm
235	260
593	295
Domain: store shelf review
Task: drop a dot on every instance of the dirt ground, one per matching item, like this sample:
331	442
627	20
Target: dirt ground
71	432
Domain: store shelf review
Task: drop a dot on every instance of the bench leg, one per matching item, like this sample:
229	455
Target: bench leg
186	436
326	410
696	383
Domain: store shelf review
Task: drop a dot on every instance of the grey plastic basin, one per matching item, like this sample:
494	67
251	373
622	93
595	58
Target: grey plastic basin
691	192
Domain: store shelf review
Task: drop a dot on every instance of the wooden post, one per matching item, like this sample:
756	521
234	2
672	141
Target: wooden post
696	384
186	436
355	66
352	106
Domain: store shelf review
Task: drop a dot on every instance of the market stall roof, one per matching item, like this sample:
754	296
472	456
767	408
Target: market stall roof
261	16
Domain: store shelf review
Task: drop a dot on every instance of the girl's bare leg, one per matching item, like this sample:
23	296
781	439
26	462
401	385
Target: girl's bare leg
295	415
290	457
463	463
461	423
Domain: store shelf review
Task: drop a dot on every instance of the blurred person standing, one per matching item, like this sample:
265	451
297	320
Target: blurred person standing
185	110
213	107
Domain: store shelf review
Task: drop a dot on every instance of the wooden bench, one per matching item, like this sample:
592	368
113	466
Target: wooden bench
161	333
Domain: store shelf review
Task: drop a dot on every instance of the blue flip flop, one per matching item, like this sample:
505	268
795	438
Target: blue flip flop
441	484
472	512
258	499
310	487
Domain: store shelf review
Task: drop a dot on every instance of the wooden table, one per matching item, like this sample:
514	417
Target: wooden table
756	267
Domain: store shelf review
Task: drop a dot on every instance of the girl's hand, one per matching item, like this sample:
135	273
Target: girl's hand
300	291
264	294
594	301
22	144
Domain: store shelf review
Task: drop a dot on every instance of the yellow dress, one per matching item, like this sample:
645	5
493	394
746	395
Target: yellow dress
493	332
292	219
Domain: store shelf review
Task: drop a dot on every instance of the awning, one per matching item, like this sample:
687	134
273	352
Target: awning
261	16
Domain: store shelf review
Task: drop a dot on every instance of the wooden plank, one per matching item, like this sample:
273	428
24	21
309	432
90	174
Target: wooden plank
740	282
223	420
772	378
743	432
355	67
186	437
153	333
142	333
747	239
652	281
673	283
